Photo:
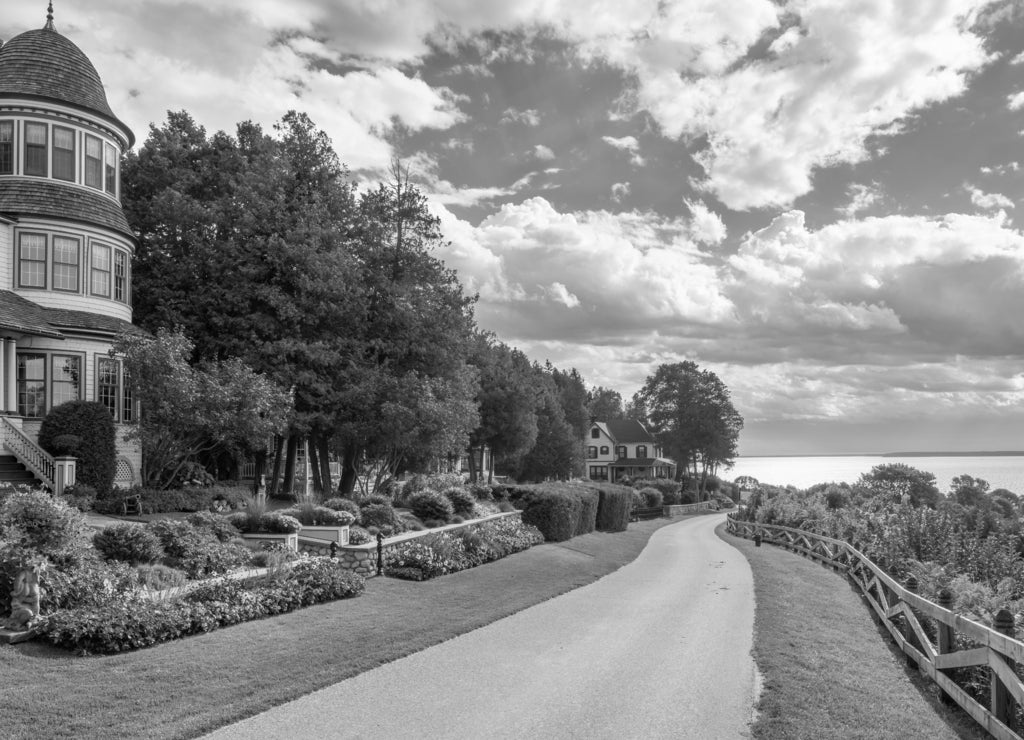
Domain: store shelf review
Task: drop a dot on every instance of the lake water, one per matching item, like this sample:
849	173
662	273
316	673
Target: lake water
1000	471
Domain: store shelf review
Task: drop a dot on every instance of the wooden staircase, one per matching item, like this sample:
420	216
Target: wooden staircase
12	471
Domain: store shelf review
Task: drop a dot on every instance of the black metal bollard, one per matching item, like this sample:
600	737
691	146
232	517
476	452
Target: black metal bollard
334	550
380	554
757	539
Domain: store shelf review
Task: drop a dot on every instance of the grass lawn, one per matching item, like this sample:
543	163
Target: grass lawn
188	687
829	671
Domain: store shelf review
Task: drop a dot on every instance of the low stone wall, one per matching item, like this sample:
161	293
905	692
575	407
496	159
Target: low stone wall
362	559
680	509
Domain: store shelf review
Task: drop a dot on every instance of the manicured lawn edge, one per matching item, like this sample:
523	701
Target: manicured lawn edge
828	670
188	687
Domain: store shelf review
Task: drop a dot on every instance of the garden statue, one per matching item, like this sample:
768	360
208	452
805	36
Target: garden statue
25	598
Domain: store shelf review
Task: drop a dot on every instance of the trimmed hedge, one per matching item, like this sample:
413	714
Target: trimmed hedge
128	542
92	423
614	506
560	511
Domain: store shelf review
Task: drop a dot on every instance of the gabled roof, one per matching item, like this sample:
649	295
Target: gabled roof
25	197
628	431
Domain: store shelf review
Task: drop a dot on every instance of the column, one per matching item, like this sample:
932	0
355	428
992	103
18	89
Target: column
3	376
11	375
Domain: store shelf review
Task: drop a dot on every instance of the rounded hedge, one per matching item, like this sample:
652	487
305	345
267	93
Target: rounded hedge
429	505
128	542
463	502
93	424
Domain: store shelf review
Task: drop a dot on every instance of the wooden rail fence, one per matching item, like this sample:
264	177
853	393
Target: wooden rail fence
913	620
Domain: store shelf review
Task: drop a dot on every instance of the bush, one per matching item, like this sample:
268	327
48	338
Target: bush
92	423
614	506
80	496
66	445
380	516
345	504
652	497
129	543
277	523
561	511
463	502
429	505
158	577
34	520
311	515
215	524
358	536
196	551
481	491
87	581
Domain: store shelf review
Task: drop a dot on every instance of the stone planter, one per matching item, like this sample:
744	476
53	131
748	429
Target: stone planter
256	541
332	534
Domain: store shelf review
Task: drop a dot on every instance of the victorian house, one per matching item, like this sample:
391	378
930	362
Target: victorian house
624	448
65	275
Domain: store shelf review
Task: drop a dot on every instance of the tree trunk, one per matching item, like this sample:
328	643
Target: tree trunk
314	466
472	464
348	471
323	453
259	465
288	484
275	476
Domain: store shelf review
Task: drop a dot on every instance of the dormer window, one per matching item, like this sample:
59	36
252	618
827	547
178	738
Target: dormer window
93	162
595	433
63	154
35	149
6	147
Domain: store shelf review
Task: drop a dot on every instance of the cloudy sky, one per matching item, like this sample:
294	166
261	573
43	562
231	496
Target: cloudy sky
820	200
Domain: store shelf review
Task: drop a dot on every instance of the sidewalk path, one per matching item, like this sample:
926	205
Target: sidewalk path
658	649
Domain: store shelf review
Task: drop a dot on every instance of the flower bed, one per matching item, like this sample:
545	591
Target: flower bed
121	625
440	553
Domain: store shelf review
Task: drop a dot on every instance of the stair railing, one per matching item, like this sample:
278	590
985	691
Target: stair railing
28	453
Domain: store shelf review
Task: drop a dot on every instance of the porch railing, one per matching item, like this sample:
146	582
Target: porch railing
27	452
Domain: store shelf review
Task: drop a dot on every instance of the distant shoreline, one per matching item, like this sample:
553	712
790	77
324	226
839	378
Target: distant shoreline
982	453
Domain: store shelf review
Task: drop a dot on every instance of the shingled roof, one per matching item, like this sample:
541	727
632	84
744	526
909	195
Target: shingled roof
625	431
44	64
52	199
61	318
22	315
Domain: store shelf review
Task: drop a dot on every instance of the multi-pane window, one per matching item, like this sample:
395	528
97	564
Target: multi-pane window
591	452
121	276
110	168
35	149
604	449
595	433
598	472
620	451
93	162
66	378
6	147
100	271
63	154
641	451
65	263
32	260
127	415
106	384
32	385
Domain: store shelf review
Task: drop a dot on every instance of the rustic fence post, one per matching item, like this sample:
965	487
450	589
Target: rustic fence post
380	554
1001	702
908	630
944	636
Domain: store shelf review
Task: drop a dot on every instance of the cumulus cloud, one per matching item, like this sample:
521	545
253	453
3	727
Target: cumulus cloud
861	198
542	152
988	201
619	191
627	144
706	226
1016	102
525	117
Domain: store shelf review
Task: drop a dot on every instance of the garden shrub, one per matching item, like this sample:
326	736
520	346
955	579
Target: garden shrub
115	627
614	507
92	423
560	511
481	491
80	496
86	581
36	521
128	542
463	502
358	536
157	577
652	497
344	504
277	523
310	515
215	524
196	551
430	505
381	516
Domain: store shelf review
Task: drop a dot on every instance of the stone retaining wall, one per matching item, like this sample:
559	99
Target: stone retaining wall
362	559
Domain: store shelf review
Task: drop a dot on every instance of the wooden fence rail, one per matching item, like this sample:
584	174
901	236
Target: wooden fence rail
906	616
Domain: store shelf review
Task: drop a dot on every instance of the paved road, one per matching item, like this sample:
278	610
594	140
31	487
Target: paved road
658	649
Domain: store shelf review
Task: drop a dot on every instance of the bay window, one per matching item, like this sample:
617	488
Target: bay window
121	276
32	385
100	270
32	260
93	162
35	149
110	168
6	147
65	264
63	154
66	378
107	389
